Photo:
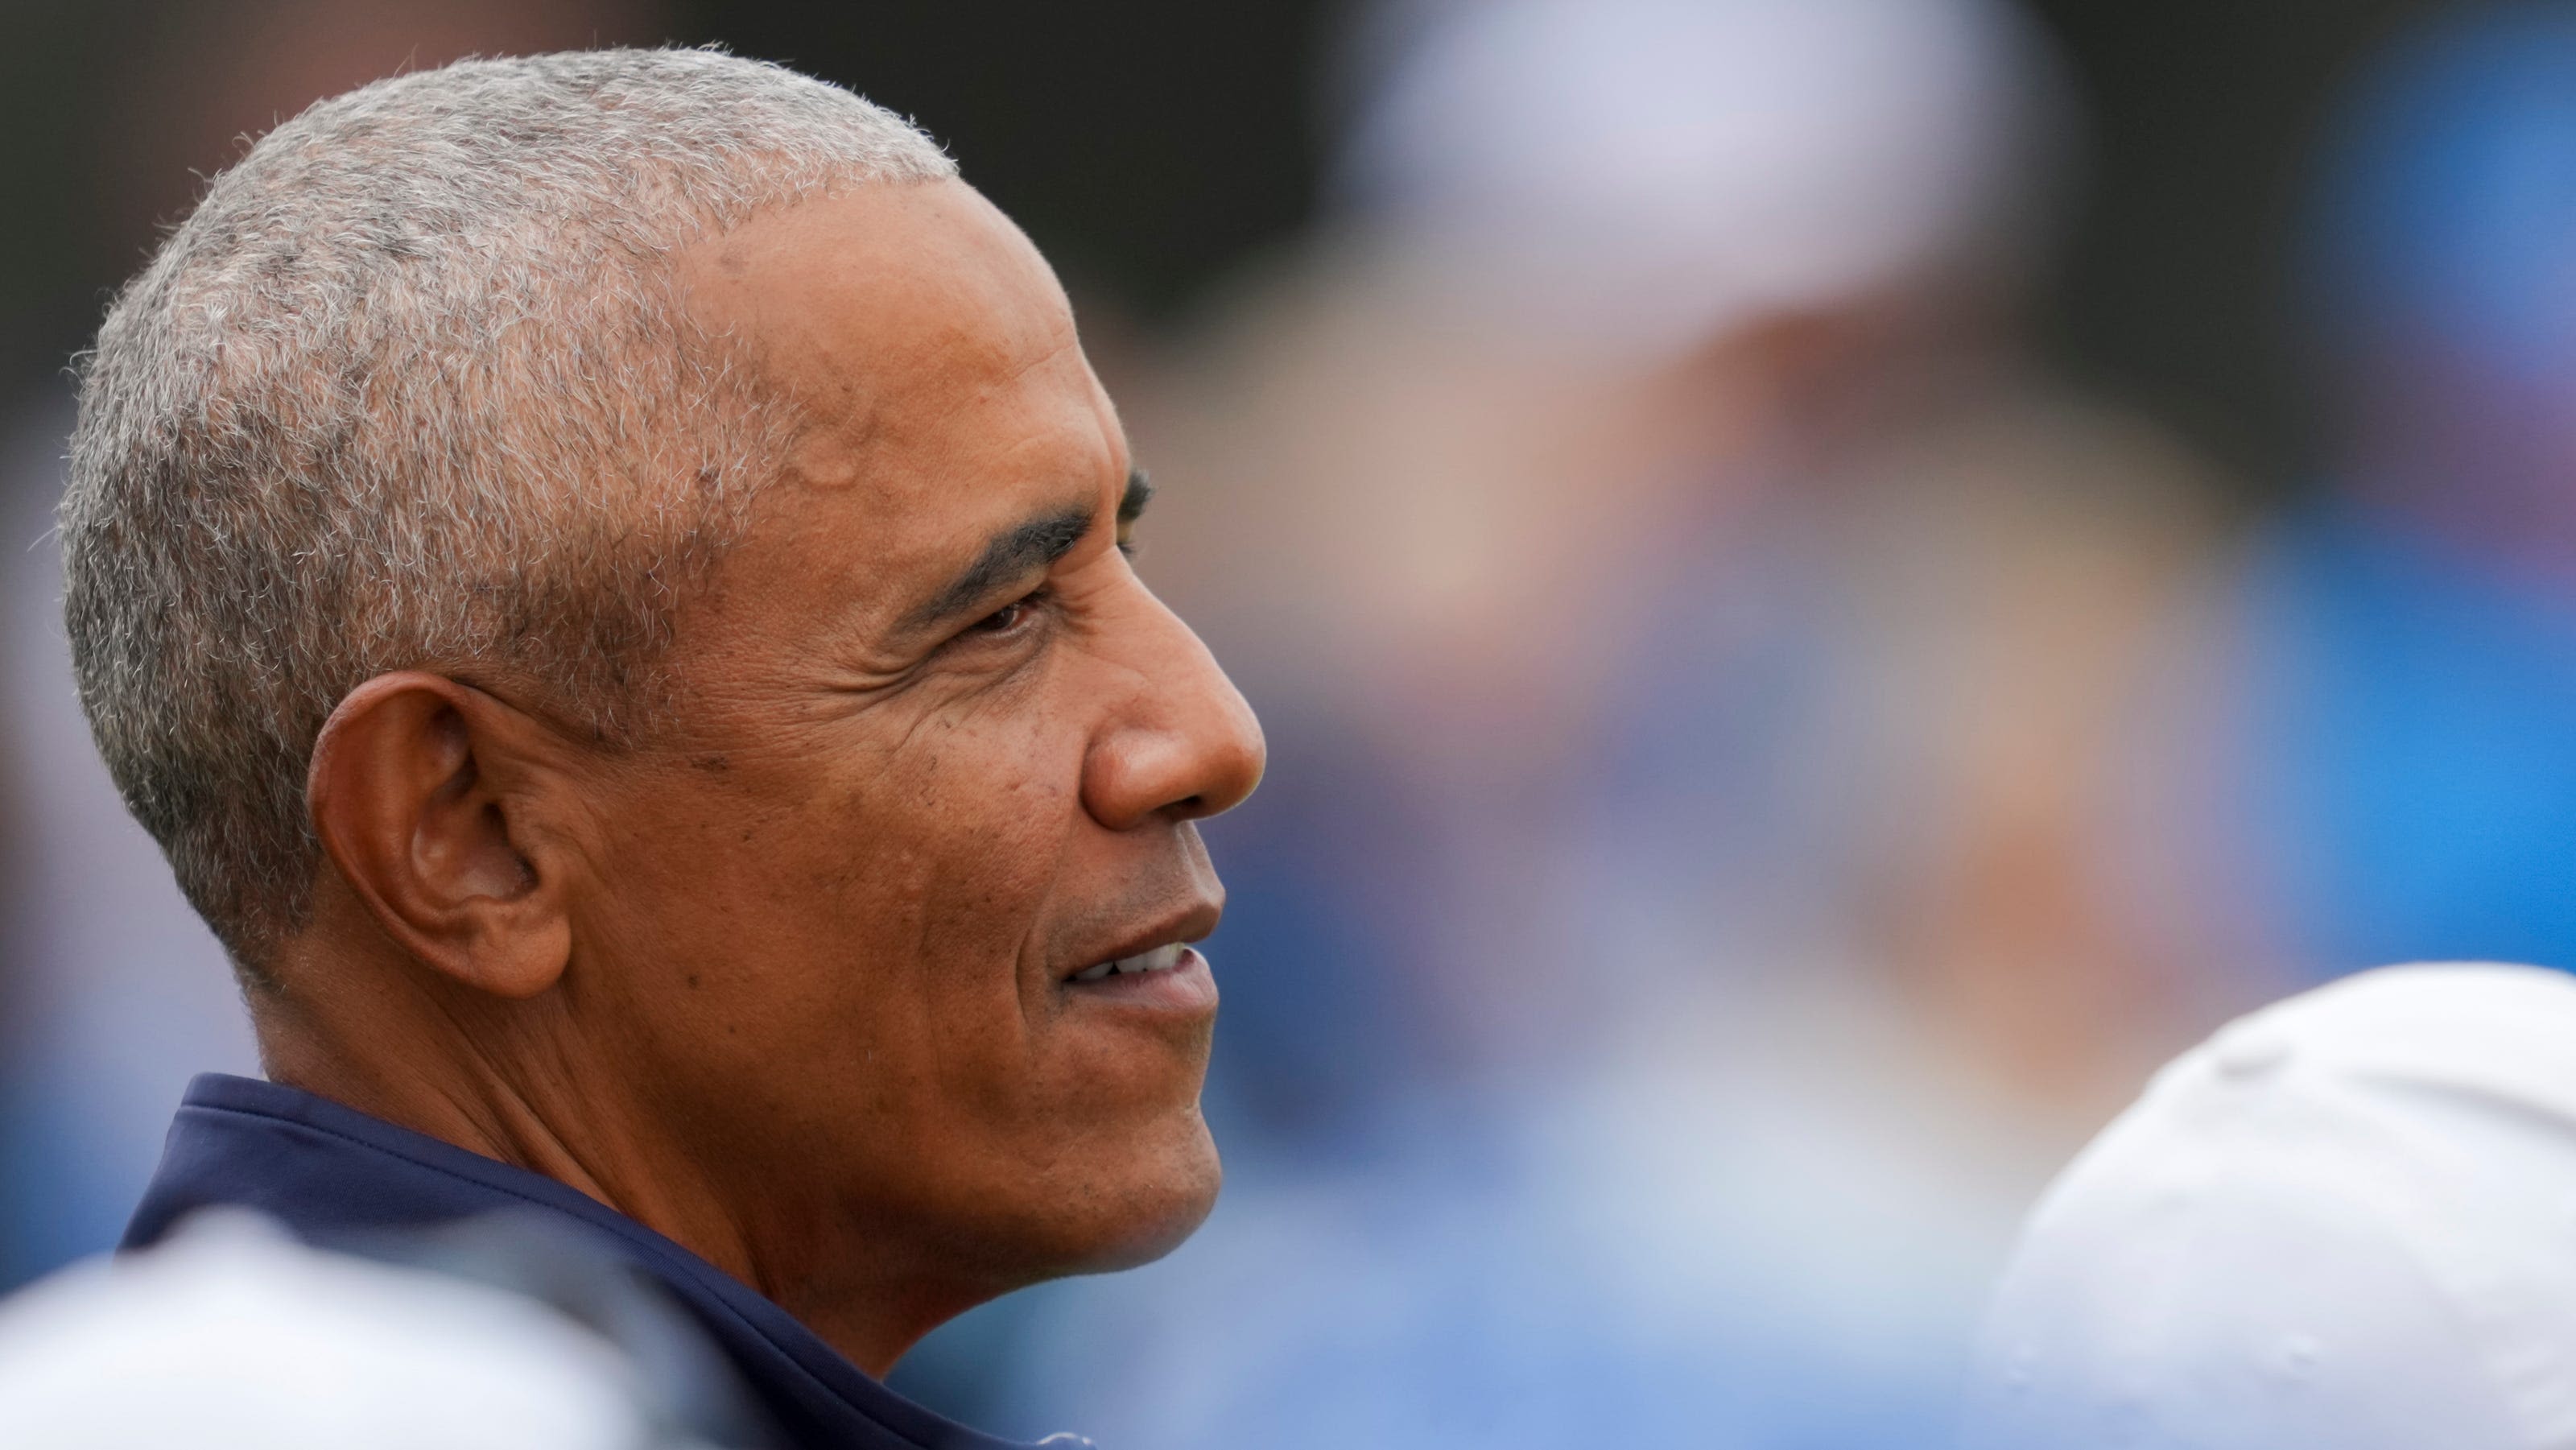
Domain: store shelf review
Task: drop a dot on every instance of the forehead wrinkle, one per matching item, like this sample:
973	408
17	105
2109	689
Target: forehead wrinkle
849	403
1001	375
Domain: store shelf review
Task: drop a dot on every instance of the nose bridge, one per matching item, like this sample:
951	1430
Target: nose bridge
1182	742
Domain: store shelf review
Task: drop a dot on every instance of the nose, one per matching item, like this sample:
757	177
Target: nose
1185	745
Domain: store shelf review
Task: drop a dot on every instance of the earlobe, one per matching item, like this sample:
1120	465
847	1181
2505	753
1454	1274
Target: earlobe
429	798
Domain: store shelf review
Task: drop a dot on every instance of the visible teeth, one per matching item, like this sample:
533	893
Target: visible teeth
1160	959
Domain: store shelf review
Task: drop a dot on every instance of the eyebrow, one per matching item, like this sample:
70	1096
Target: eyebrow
1140	492
1019	551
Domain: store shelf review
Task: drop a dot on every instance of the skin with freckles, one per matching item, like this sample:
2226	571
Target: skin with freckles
787	980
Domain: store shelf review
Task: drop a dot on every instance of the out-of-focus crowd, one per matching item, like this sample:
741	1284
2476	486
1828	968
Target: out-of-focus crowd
1761	767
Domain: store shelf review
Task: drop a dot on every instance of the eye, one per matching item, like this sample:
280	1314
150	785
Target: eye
1007	618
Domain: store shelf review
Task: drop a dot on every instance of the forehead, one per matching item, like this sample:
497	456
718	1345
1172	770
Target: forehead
927	350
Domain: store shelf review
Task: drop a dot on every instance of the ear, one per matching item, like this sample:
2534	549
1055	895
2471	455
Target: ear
429	798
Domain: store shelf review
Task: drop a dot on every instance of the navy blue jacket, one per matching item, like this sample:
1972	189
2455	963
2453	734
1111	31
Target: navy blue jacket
329	1171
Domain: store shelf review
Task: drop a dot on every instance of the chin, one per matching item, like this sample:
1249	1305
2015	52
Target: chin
1149	1203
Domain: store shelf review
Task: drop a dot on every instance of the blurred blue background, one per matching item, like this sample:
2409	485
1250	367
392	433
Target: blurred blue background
1830	582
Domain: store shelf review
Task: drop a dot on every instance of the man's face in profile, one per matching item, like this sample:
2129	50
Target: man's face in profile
935	755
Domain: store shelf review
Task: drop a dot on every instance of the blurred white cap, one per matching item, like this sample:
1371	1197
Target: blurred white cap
1651	172
233	1336
2347	1222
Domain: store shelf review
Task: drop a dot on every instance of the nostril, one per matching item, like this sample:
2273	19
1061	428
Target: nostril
1188	808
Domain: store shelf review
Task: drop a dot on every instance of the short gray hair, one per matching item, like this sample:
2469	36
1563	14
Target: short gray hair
410	388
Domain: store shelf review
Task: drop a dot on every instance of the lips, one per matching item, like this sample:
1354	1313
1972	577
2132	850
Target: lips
1182	994
1159	959
1156	947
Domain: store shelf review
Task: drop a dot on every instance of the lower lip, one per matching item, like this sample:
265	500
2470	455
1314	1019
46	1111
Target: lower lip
1187	986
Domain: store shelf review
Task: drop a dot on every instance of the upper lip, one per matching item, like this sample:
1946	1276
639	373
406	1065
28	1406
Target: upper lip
1188	925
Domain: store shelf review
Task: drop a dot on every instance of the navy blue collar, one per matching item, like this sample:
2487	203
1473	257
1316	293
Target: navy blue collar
324	1169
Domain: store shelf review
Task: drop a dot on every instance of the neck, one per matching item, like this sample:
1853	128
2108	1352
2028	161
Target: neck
519	1082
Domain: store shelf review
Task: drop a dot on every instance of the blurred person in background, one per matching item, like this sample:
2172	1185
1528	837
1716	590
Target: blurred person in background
119	992
2370	743
2340	1224
1688	919
498	1333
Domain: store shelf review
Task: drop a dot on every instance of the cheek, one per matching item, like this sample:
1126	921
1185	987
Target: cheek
841	957
833	907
